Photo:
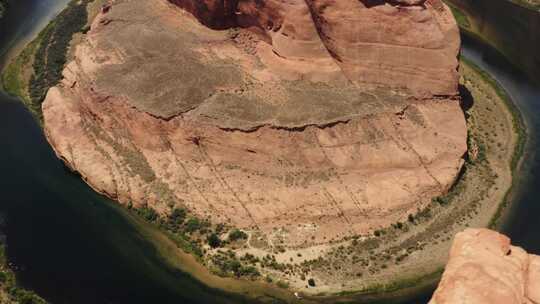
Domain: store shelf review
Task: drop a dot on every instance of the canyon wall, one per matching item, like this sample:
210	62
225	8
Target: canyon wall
484	268
300	121
406	44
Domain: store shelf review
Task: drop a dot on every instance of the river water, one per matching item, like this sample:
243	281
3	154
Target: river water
71	245
522	221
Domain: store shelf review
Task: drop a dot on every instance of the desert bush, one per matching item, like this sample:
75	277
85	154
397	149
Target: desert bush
237	234
213	240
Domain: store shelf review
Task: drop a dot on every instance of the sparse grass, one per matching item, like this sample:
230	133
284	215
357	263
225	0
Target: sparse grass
517	119
519	128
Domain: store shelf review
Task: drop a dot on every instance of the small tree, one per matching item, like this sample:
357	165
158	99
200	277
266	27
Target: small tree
148	213
214	241
237	234
193	224
178	216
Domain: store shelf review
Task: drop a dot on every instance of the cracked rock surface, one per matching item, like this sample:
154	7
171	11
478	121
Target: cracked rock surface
325	119
485	268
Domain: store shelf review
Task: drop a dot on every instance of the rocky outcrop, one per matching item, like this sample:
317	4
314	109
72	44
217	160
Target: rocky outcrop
402	43
305	120
485	268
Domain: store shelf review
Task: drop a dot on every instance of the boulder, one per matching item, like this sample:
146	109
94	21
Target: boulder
484	268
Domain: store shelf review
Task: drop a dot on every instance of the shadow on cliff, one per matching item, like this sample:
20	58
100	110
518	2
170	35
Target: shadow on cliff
467	100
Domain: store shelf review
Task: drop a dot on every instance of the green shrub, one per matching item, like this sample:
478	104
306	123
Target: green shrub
213	240
247	271
148	213
237	234
177	218
22	296
193	224
232	265
51	56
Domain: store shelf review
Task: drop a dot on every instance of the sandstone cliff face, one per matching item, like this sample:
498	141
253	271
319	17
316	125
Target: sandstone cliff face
485	268
411	44
305	120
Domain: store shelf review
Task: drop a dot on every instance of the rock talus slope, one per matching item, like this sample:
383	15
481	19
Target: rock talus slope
485	268
322	118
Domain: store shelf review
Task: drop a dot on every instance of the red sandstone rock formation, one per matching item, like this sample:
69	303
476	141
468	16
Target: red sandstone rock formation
402	43
485	269
305	120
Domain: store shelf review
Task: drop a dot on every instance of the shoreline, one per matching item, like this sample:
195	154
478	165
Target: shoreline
521	129
400	286
466	30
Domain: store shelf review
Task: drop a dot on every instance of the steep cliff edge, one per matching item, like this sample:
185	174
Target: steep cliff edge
411	44
485	268
299	122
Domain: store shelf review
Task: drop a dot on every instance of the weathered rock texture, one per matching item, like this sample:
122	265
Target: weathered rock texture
322	118
404	43
484	268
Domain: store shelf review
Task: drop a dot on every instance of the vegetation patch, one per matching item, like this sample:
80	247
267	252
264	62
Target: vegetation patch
39	67
10	292
519	129
517	119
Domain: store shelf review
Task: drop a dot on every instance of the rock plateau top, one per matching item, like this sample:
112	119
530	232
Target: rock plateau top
300	122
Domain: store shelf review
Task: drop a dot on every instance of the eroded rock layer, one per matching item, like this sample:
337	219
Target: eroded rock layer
403	43
484	268
322	118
